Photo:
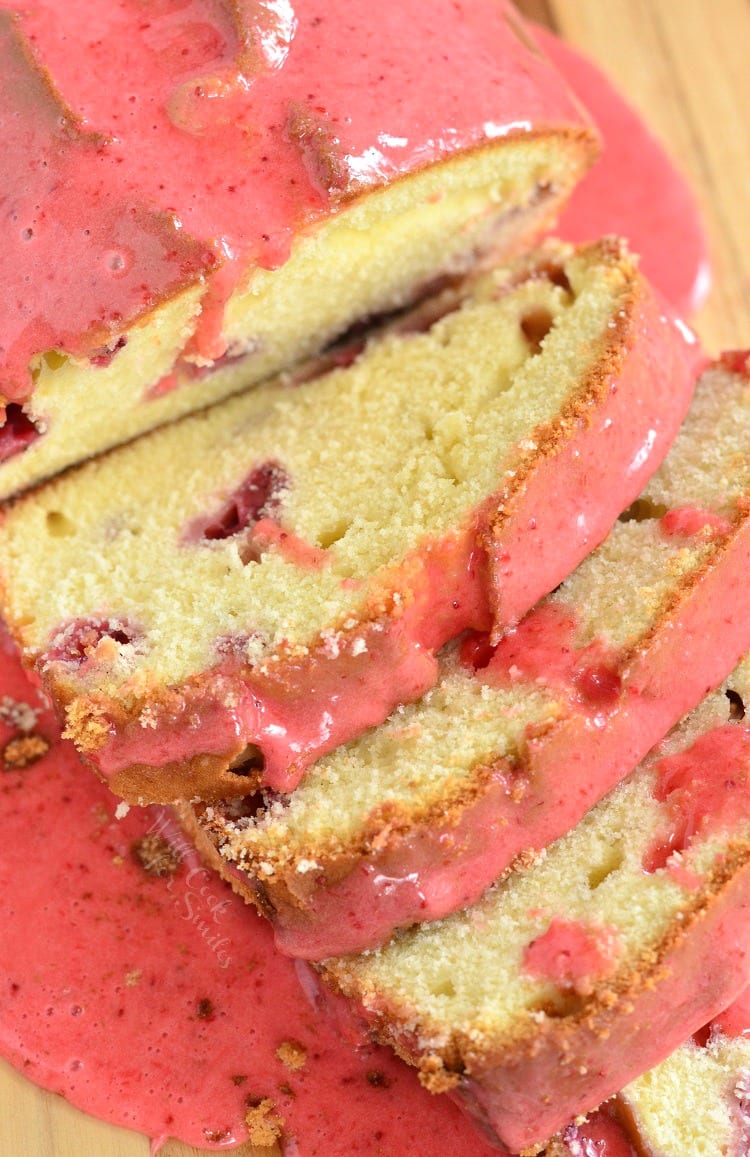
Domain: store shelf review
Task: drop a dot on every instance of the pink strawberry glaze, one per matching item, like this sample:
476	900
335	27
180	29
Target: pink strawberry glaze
657	212
351	684
161	172
532	544
688	521
705	790
735	1020
542	649
109	245
267	533
441	866
159	1003
572	955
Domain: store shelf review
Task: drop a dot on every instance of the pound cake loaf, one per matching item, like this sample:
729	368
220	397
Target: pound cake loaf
225	599
198	196
581	971
516	742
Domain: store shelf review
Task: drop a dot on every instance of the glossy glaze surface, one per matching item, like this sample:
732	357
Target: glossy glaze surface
194	139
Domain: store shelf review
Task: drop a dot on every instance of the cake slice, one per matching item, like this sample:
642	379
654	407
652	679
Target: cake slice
516	742
696	1103
195	204
218	603
579	972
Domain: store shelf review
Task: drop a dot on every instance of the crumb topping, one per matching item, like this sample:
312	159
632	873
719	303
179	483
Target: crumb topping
24	751
156	855
292	1054
263	1125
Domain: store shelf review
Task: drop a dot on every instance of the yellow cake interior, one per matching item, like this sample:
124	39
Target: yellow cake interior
464	976
429	750
369	257
460	403
689	1104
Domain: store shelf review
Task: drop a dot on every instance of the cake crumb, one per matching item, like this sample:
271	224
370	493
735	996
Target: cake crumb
156	855
292	1054
435	1077
122	810
205	1009
378	1079
263	1125
24	751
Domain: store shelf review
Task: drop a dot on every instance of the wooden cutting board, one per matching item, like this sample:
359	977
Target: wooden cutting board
684	65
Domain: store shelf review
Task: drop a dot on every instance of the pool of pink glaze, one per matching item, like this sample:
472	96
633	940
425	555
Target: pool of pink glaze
158	1003
657	212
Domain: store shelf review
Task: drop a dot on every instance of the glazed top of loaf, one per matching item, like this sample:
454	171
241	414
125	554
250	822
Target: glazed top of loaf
149	145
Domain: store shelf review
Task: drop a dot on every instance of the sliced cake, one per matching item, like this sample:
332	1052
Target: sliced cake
516	742
218	603
581	971
696	1103
195	203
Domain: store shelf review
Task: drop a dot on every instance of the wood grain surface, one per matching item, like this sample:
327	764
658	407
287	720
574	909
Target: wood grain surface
684	65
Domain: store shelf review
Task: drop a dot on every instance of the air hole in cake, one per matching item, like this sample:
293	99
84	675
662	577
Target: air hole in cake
248	763
18	432
736	705
337	357
643	510
83	639
561	1005
535	325
333	534
444	987
557	275
426	316
258	497
54	360
59	525
611	863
